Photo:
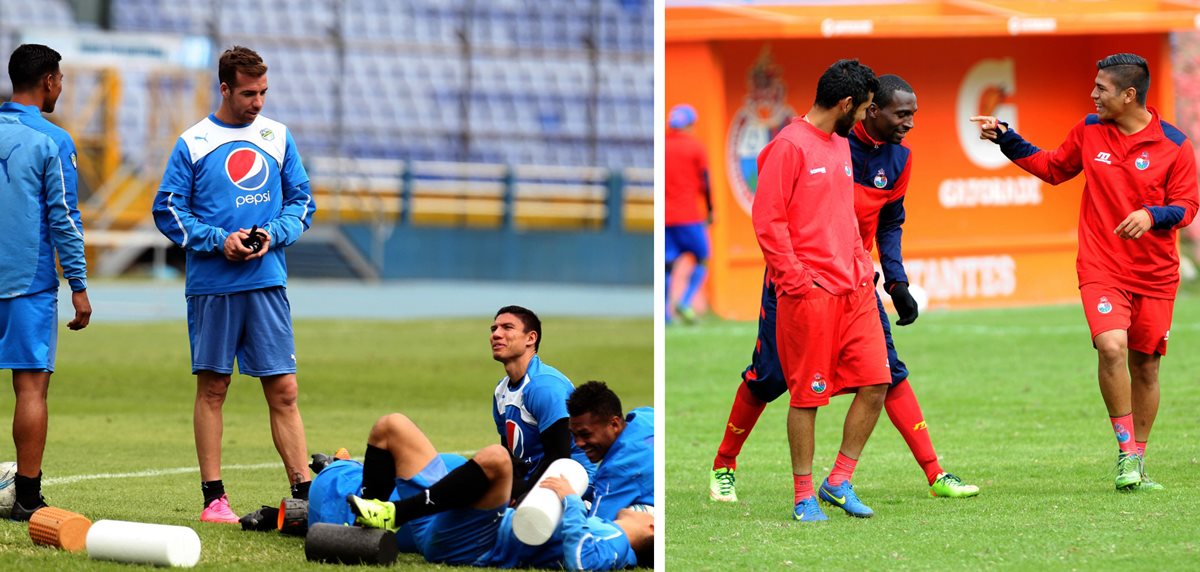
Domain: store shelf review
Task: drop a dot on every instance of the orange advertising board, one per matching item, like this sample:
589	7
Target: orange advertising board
979	230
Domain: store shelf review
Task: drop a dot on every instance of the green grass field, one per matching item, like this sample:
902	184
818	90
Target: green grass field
121	402
1012	403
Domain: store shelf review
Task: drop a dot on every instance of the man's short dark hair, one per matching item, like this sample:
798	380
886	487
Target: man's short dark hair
889	84
846	78
1126	71
239	59
528	319
30	63
596	398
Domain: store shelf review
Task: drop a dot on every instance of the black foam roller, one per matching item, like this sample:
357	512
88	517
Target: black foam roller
349	544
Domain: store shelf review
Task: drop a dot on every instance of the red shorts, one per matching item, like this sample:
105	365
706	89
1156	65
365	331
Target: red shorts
829	345
1146	320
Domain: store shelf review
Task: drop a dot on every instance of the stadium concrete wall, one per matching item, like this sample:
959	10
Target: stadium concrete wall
582	257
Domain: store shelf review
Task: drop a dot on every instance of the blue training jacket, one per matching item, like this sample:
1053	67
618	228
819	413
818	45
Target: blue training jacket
39	211
221	178
625	476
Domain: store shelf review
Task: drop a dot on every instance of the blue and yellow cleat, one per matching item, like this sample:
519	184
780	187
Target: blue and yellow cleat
843	497
808	510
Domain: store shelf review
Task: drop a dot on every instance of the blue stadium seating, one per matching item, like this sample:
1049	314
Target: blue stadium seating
496	81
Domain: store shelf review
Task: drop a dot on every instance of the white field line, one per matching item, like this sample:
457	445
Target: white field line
49	481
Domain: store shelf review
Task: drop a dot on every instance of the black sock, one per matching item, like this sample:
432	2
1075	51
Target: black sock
212	491
29	490
300	490
458	489
379	473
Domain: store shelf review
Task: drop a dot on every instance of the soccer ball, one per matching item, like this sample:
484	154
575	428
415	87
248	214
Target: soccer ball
642	508
8	488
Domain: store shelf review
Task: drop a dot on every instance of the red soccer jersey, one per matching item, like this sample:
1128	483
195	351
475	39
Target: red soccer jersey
804	212
686	179
1151	169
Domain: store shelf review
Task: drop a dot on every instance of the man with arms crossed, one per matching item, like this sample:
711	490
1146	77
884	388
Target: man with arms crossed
1140	186
829	337
881	172
234	195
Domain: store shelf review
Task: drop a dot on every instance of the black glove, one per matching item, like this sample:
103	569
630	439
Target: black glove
904	303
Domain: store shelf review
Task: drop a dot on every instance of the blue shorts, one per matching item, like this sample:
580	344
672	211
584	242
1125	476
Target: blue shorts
764	376
254	326
29	331
683	238
327	495
461	536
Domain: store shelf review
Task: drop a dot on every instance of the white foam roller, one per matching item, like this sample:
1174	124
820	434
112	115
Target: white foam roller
540	512
141	543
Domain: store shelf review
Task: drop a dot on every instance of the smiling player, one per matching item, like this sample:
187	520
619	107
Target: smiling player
230	172
1140	186
881	173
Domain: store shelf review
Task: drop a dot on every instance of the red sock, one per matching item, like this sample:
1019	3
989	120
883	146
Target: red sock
843	469
803	485
1123	429
905	413
742	416
1141	449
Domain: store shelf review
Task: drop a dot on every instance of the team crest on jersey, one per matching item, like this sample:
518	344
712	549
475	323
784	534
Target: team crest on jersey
760	118
1142	163
516	440
247	169
1104	306
818	383
880	179
1122	433
267	134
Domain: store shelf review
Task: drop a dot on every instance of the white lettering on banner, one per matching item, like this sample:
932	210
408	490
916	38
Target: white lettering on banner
990	192
964	277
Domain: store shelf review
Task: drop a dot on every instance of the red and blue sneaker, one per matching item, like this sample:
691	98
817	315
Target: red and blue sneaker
843	497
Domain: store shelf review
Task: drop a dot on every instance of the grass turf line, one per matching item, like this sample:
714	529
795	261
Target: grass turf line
1012	404
121	401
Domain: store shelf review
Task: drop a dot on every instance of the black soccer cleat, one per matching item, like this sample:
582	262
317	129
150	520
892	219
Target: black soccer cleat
21	514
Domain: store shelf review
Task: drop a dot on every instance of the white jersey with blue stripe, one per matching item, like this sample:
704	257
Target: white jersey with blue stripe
524	410
39	208
221	178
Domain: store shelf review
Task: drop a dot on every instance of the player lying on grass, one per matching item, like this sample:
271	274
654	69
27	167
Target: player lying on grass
621	446
881	172
462	517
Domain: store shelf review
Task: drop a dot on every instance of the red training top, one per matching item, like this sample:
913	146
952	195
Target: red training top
804	212
686	179
1153	169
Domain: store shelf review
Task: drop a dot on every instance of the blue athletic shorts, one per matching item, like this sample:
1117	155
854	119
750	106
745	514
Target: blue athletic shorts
683	238
254	326
29	331
764	376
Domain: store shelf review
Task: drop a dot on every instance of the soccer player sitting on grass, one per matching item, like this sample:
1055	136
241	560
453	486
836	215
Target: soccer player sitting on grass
462	517
621	446
530	403
881	172
1140	186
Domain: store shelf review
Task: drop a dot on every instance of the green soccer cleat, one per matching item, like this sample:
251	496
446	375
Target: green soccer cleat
950	486
1146	485
720	485
373	513
1129	471
687	313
